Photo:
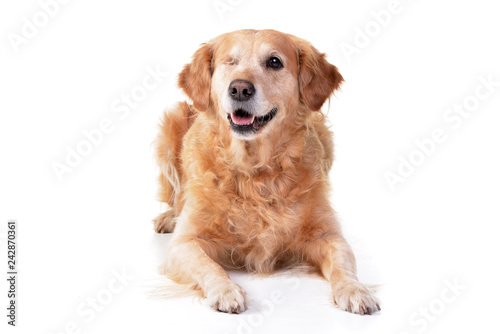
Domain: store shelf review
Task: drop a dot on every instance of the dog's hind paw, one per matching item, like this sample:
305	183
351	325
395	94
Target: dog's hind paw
165	223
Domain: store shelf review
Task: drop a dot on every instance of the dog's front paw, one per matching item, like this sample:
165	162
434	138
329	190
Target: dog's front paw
355	297
227	297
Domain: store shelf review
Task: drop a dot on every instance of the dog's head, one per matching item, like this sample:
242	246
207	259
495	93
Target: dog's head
254	78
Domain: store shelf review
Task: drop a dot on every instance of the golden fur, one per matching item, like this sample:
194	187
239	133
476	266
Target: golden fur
257	202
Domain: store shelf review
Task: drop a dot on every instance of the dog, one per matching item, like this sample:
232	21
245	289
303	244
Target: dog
244	169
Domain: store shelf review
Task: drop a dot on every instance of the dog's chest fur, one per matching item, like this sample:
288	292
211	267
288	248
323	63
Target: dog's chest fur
260	219
250	201
258	215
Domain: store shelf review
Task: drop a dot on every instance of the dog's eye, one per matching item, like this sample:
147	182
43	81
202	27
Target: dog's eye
274	63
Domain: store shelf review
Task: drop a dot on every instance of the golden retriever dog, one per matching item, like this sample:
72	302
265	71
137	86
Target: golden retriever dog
244	170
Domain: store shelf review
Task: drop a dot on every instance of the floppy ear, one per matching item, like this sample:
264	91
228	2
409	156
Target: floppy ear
318	79
195	78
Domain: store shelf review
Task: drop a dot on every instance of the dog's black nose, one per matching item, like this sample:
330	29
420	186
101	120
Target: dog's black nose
241	90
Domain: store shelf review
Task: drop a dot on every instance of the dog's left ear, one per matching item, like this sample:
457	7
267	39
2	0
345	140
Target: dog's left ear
318	79
195	78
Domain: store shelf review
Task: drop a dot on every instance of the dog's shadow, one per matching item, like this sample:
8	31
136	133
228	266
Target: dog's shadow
159	246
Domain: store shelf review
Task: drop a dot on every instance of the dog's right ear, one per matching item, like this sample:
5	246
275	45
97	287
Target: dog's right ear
195	78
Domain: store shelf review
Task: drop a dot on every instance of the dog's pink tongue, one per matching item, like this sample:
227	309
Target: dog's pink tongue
242	120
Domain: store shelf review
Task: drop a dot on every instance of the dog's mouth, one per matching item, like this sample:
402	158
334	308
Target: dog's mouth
243	122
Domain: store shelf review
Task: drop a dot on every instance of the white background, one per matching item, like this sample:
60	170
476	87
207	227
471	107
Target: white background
439	226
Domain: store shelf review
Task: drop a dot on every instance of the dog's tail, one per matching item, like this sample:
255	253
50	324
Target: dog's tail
165	288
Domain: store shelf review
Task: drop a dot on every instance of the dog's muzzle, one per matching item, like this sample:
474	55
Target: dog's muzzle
244	122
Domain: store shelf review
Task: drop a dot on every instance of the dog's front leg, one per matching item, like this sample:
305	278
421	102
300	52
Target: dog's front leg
188	262
334	257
